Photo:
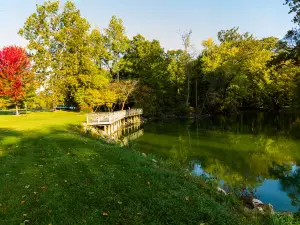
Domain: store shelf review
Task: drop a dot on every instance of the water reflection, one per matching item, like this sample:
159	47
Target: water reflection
289	178
128	134
257	151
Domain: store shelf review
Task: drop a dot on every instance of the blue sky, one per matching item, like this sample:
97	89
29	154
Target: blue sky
163	19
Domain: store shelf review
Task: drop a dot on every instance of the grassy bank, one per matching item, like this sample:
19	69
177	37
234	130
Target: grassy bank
51	174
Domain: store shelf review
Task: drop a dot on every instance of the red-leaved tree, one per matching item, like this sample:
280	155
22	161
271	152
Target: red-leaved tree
16	79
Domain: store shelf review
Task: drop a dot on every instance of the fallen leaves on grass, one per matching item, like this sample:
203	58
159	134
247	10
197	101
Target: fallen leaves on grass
148	183
187	198
44	188
105	214
22	202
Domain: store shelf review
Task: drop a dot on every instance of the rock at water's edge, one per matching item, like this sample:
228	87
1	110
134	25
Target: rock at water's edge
256	203
221	191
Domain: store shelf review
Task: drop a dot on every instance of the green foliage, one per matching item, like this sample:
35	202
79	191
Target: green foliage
162	75
239	73
294	8
282	88
176	69
117	43
77	65
4	102
62	50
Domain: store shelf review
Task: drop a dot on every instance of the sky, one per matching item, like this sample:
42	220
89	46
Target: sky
163	20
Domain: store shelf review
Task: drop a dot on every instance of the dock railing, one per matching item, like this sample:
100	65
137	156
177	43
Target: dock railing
105	118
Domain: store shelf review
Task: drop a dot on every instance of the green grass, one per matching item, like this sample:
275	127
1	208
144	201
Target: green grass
51	174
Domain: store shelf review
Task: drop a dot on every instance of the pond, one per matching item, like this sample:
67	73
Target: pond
259	152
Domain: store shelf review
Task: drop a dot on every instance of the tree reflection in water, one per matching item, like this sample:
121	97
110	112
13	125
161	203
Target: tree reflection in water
241	151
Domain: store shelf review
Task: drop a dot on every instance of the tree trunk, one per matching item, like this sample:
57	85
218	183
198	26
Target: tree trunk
53	106
196	94
114	106
17	110
203	105
188	86
123	105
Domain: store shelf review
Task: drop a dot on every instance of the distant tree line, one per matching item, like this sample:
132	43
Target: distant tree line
74	64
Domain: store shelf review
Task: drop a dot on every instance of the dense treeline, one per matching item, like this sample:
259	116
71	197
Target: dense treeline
103	69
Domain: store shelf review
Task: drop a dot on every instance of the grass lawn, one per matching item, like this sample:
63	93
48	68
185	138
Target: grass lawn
51	174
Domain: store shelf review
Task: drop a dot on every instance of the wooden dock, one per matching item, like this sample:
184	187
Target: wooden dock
113	121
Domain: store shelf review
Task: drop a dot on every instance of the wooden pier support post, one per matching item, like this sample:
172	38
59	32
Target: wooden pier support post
108	129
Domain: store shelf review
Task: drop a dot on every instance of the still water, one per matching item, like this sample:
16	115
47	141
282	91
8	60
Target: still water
258	151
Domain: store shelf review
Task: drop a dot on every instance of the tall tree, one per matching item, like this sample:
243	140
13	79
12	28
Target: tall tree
236	69
65	52
117	43
282	88
176	68
294	8
146	61
40	30
16	79
186	42
292	38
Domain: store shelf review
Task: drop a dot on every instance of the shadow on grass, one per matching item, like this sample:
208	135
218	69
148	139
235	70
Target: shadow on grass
11	112
22	112
4	133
